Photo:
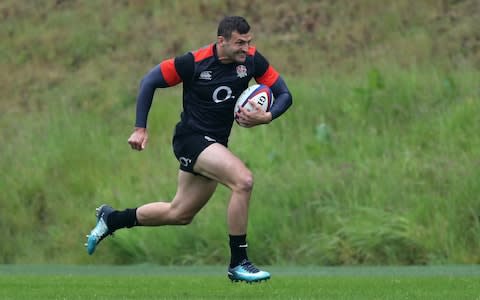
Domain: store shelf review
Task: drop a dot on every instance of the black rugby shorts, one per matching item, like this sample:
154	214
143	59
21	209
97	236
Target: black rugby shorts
188	146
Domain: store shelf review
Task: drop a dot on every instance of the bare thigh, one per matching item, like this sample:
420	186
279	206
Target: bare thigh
193	192
220	164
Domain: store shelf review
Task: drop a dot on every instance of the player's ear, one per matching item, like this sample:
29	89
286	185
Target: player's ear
221	40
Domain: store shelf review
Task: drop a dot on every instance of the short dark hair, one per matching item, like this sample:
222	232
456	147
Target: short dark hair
230	24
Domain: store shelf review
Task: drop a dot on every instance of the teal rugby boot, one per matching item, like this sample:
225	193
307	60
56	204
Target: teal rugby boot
247	272
101	229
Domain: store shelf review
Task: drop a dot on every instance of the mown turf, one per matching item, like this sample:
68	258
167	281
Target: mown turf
153	282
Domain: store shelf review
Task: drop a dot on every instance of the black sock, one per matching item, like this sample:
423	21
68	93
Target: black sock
121	219
238	249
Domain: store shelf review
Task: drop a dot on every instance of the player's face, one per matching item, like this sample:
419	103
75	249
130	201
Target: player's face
235	49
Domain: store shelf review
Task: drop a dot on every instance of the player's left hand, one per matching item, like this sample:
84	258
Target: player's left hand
254	117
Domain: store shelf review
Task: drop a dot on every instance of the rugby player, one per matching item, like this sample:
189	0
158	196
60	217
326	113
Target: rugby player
213	77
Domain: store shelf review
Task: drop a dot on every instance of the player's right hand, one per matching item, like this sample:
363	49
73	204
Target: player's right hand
138	139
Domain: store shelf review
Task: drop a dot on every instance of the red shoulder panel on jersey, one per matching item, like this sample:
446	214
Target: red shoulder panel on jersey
269	77
203	53
251	50
169	73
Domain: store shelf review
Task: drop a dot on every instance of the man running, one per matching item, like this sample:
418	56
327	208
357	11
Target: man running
213	78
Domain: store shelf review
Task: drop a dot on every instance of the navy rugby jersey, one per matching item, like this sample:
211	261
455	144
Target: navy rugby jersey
210	88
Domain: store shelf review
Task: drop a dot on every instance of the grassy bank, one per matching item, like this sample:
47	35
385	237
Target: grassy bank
343	178
376	162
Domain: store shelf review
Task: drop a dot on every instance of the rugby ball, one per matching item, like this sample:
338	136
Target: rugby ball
259	93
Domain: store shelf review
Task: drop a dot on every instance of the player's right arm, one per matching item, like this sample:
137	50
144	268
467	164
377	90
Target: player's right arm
168	73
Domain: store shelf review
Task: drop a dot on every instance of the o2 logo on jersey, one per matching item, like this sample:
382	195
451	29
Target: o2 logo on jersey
222	93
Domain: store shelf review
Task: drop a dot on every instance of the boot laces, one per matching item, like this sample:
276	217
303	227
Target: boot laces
249	267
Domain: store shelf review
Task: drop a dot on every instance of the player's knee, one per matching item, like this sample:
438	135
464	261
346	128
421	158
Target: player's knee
184	220
244	182
181	218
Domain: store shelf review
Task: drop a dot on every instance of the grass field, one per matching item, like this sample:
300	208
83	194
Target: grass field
210	282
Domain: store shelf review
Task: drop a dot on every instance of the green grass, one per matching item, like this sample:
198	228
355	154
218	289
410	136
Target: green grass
388	181
154	282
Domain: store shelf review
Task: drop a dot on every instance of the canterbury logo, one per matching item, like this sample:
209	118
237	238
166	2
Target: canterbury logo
185	161
206	75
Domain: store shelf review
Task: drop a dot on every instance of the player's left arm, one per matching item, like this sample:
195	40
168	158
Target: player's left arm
283	98
266	74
